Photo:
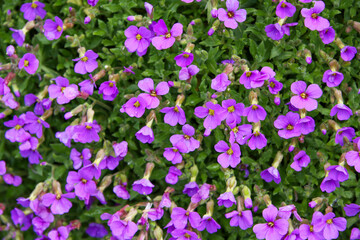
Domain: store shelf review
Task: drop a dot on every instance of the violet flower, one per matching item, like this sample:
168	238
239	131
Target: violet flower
253	79
84	185
355	233
338	172
121	192
62	233
86	63
286	211
92	2
184	59
18	36
165	38
29	63
202	193
301	159
230	155
345	132
173	154
208	223
332	78
312	19
288	125
274	86
96	230
309	231
34	124
271	174
145	135
183	234
348	53
2	168
234	111
59	202
214	114
341	111
143	186
78	158
274	31
232	16
306	96
134	107
353	158
191	188
174	115
186	139
40	106
180	217
220	82
274	229
62	91
226	199
306	125
109	90
186	73
285	9
240	133
257	140
173	175
151	95
327	35
242	219
255	113
330	226
286	27
53	29
138	39
12	179
87	133
31	10
17	133
351	209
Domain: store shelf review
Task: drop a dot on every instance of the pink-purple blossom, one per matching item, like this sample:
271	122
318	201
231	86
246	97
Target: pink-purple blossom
165	38
53	29
138	39
152	93
312	19
305	96
232	15
29	63
86	63
31	10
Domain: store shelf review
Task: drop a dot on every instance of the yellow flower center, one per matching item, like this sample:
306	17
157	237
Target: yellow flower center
235	129
230	151
303	95
311	228
187	137
314	16
231	109
290	127
26	63
138	37
270	224
63	89
187	213
38	121
59	28
211	112
34	5
84	59
283	5
83	180
329	221
248	74
88	127
175	150
230	14
168	35
176	109
186	235
256	133
254	107
186	55
240	214
272	84
17	127
137	104
111	84
152	93
58	196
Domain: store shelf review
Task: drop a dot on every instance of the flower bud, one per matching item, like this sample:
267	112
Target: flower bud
158	233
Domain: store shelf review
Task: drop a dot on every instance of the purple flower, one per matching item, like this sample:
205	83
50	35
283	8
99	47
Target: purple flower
220	82
332	78
214	114
53	29
254	79
329	185
59	203
345	132
145	135
355	234
186	139
338	173
134	107
96	230
40	105
86	133
202	193
208	222
31	10
174	115
232	16
257	140
2	168
183	234
306	96
62	91
151	95
173	175
306	125
149	9
230	155
286	211
184	59
271	174
29	63
121	192
226	199
348	53
242	219
351	209
143	186
330	226
240	133
309	231
288	124
173	154
34	124
327	35
18	36
274	86
12	179
92	2
285	9
138	39
255	113
186	73
312	19
353	158
17	133
123	229
109	90
191	188
234	111
86	63
78	158
274	229
341	111
19	218
274	31
180	217
301	159
83	184
165	39
62	233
